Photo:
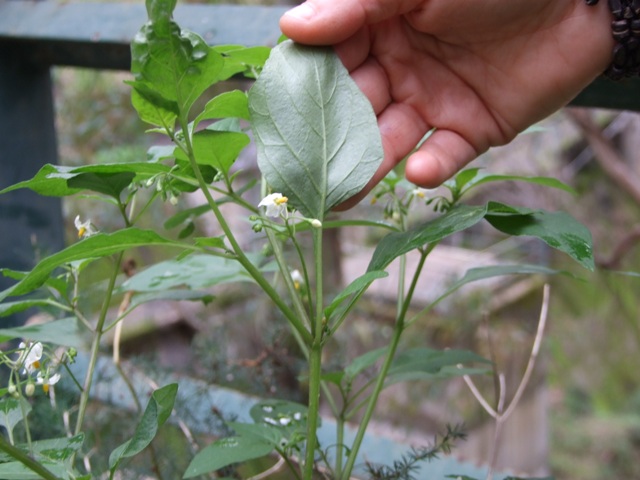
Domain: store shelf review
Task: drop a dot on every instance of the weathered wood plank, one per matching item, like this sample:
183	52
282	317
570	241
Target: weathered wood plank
97	35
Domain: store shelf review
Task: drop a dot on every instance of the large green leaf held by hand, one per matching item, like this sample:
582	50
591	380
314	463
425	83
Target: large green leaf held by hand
316	133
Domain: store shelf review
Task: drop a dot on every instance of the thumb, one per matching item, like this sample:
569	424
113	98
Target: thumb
327	22
439	158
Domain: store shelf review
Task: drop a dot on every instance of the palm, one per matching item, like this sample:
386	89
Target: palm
477	72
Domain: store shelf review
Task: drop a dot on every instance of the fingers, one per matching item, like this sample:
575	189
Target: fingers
374	83
323	22
441	156
327	22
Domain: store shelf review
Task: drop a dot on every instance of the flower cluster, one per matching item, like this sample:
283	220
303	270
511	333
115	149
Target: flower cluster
30	362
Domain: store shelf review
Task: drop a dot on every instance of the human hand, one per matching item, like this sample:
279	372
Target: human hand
478	72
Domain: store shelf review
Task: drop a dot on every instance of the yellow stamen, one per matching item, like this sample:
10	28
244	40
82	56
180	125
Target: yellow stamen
81	232
280	201
296	285
36	364
420	194
45	387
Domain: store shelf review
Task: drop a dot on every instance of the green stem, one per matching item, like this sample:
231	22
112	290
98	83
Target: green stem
315	360
95	345
27	428
286	277
298	306
382	376
26	460
340	420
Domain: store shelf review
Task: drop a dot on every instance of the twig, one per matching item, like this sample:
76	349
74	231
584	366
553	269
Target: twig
499	414
270	471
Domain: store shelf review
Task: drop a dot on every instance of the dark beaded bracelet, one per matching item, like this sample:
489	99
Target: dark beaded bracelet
625	28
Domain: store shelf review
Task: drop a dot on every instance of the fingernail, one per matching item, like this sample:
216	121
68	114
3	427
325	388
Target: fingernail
302	12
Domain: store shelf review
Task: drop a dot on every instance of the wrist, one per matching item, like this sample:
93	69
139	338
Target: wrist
624	25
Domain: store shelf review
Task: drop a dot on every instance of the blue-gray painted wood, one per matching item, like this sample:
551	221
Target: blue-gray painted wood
30	225
97	35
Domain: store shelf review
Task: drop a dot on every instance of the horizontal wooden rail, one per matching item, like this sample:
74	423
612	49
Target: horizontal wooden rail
97	35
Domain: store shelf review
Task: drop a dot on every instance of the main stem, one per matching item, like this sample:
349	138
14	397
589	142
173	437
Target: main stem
315	360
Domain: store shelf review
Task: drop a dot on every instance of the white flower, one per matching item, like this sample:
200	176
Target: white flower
421	192
47	382
30	356
276	204
85	229
296	276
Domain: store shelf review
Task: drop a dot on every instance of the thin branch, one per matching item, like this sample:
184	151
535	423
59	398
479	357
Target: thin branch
534	353
270	471
476	393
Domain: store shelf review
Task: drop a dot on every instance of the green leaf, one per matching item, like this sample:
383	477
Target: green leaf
155	415
473	177
216	149
288	417
172	295
484	177
193	271
356	287
152	108
463	178
225	105
557	229
111	184
211	242
96	246
17	471
396	244
262	432
55	449
46	183
363	362
171	66
140	170
11	411
529	478
239	59
316	133
185	215
481	273
65	332
9	308
426	363
227	451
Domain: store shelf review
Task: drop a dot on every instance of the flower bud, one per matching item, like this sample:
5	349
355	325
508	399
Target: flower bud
11	389
30	389
315	223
